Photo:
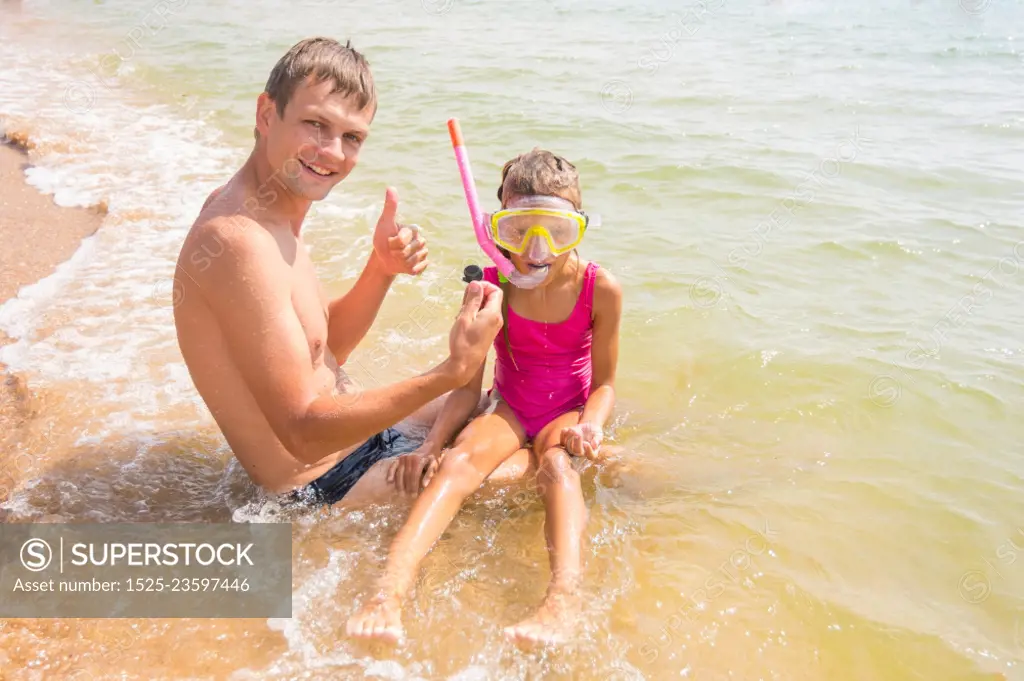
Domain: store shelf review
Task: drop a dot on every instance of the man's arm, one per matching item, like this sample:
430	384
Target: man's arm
604	350
352	315
269	348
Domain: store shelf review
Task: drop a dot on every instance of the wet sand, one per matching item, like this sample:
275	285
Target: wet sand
37	235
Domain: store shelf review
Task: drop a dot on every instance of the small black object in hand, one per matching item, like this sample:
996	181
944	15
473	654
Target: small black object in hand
472	273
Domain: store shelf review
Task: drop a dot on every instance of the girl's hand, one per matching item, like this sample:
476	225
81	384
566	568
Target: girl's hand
583	439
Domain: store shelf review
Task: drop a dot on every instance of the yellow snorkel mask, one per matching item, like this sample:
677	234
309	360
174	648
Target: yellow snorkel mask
540	226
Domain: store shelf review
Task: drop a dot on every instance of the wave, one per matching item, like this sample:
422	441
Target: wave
954	52
887	249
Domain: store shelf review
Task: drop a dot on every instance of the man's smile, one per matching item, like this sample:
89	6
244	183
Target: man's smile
317	169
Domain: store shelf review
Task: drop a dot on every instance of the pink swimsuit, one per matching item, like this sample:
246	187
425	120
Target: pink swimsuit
554	365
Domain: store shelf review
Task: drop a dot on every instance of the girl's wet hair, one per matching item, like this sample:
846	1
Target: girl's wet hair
540	173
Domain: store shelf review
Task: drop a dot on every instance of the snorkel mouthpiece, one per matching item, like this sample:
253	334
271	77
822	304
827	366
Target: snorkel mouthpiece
483	237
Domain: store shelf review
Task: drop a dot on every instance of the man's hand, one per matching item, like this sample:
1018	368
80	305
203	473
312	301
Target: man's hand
475	328
583	439
411	472
400	249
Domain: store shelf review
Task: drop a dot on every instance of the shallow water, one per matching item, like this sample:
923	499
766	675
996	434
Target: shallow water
815	211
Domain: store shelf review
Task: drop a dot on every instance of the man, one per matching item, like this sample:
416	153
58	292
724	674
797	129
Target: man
261	342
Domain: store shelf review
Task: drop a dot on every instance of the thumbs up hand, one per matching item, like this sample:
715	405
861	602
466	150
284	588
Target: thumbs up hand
401	249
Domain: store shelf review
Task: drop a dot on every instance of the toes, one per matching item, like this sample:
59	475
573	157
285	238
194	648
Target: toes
376	624
382	631
534	633
522	633
365	628
393	633
513	636
528	640
365	624
389	632
354	627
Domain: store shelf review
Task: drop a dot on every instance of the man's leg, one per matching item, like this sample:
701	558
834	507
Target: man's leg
372	488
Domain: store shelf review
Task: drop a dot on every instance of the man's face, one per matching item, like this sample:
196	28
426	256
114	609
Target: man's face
316	144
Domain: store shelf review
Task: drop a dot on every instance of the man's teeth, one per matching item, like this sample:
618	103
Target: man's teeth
318	170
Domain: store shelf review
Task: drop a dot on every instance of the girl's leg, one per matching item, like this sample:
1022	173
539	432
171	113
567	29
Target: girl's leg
514	467
564	521
479	449
374	488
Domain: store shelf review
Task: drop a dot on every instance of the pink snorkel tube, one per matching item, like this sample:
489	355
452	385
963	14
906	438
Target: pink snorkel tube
483	237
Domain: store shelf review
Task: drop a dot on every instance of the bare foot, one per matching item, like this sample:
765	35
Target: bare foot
551	624
380	618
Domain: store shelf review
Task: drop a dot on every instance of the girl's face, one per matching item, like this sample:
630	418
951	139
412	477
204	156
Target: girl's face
537	254
528	265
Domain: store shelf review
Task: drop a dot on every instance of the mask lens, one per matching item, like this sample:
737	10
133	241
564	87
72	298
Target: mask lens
564	233
513	229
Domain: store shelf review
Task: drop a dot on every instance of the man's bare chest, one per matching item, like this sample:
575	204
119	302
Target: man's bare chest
310	305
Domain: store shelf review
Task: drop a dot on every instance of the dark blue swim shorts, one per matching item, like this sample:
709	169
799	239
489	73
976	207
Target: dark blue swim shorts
333	485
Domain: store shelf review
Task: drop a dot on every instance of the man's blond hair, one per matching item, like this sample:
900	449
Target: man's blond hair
324	59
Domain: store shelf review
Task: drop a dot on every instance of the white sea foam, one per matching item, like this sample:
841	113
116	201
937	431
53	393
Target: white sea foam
319	587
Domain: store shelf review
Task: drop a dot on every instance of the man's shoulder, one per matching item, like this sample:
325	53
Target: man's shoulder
224	240
236	228
225	215
211	198
214	230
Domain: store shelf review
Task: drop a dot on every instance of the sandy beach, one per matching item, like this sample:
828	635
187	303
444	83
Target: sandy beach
37	235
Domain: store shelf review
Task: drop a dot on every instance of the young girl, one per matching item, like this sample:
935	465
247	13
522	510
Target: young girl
553	394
